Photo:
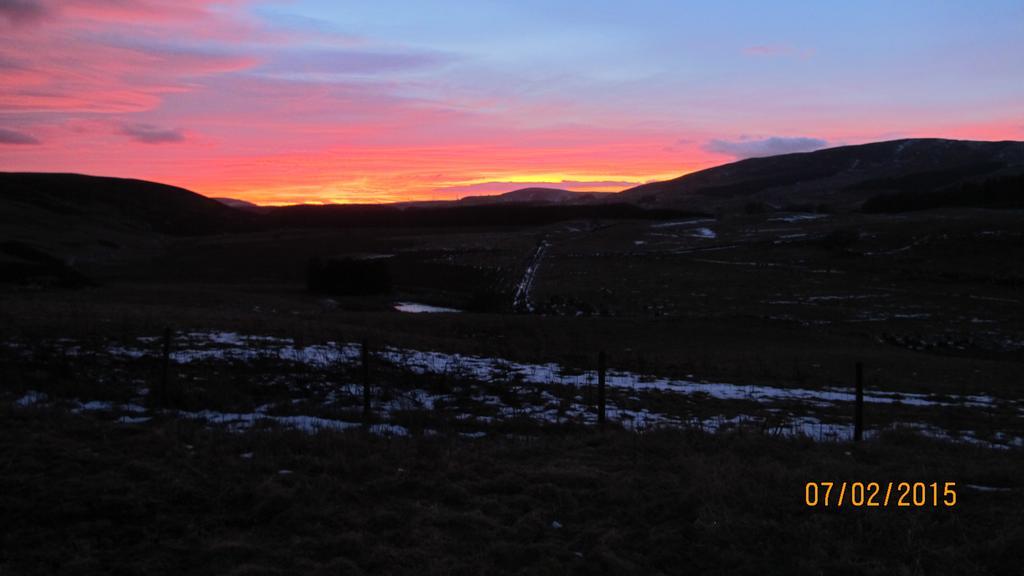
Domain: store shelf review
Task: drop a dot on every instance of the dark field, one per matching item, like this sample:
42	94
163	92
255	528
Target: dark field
93	497
731	341
929	301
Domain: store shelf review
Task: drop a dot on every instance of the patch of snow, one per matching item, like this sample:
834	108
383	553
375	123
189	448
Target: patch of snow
389	430
704	233
533	385
231	338
133	419
241	421
126	352
491	369
981	488
521	299
488	369
97	406
681	223
843	297
106	406
30	398
797	218
994	299
735	263
415	308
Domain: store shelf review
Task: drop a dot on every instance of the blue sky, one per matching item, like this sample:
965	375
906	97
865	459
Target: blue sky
355	101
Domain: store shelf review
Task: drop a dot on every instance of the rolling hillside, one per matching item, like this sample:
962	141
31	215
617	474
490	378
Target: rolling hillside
120	203
533	196
91	221
54	225
838	178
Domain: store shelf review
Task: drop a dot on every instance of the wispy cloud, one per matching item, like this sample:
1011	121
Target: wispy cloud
754	147
18	12
112	56
150	134
15	137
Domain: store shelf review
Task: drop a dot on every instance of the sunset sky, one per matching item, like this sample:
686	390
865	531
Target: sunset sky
336	101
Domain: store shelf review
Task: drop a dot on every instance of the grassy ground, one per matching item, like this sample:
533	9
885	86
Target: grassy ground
740	348
928	302
80	495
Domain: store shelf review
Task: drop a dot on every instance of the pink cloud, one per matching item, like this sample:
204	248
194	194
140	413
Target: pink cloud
17	138
285	125
22	12
119	11
59	68
150	134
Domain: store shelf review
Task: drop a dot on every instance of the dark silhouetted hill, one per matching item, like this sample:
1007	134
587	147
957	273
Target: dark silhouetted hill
121	202
535	195
841	177
242	205
1003	192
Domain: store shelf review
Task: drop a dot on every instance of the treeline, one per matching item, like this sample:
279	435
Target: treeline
1005	192
380	216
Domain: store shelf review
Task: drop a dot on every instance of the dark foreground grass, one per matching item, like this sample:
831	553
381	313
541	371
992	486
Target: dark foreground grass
79	495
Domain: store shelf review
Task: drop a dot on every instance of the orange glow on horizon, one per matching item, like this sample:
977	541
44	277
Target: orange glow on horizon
387	191
374	175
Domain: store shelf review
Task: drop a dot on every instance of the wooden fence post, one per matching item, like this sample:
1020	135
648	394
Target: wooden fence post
602	367
165	366
366	382
858	414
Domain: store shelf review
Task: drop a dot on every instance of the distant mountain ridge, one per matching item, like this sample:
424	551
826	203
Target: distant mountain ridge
60	228
841	178
844	176
242	205
532	195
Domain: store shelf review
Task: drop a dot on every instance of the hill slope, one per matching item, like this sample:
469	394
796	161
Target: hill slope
243	205
54	225
534	195
841	177
120	202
